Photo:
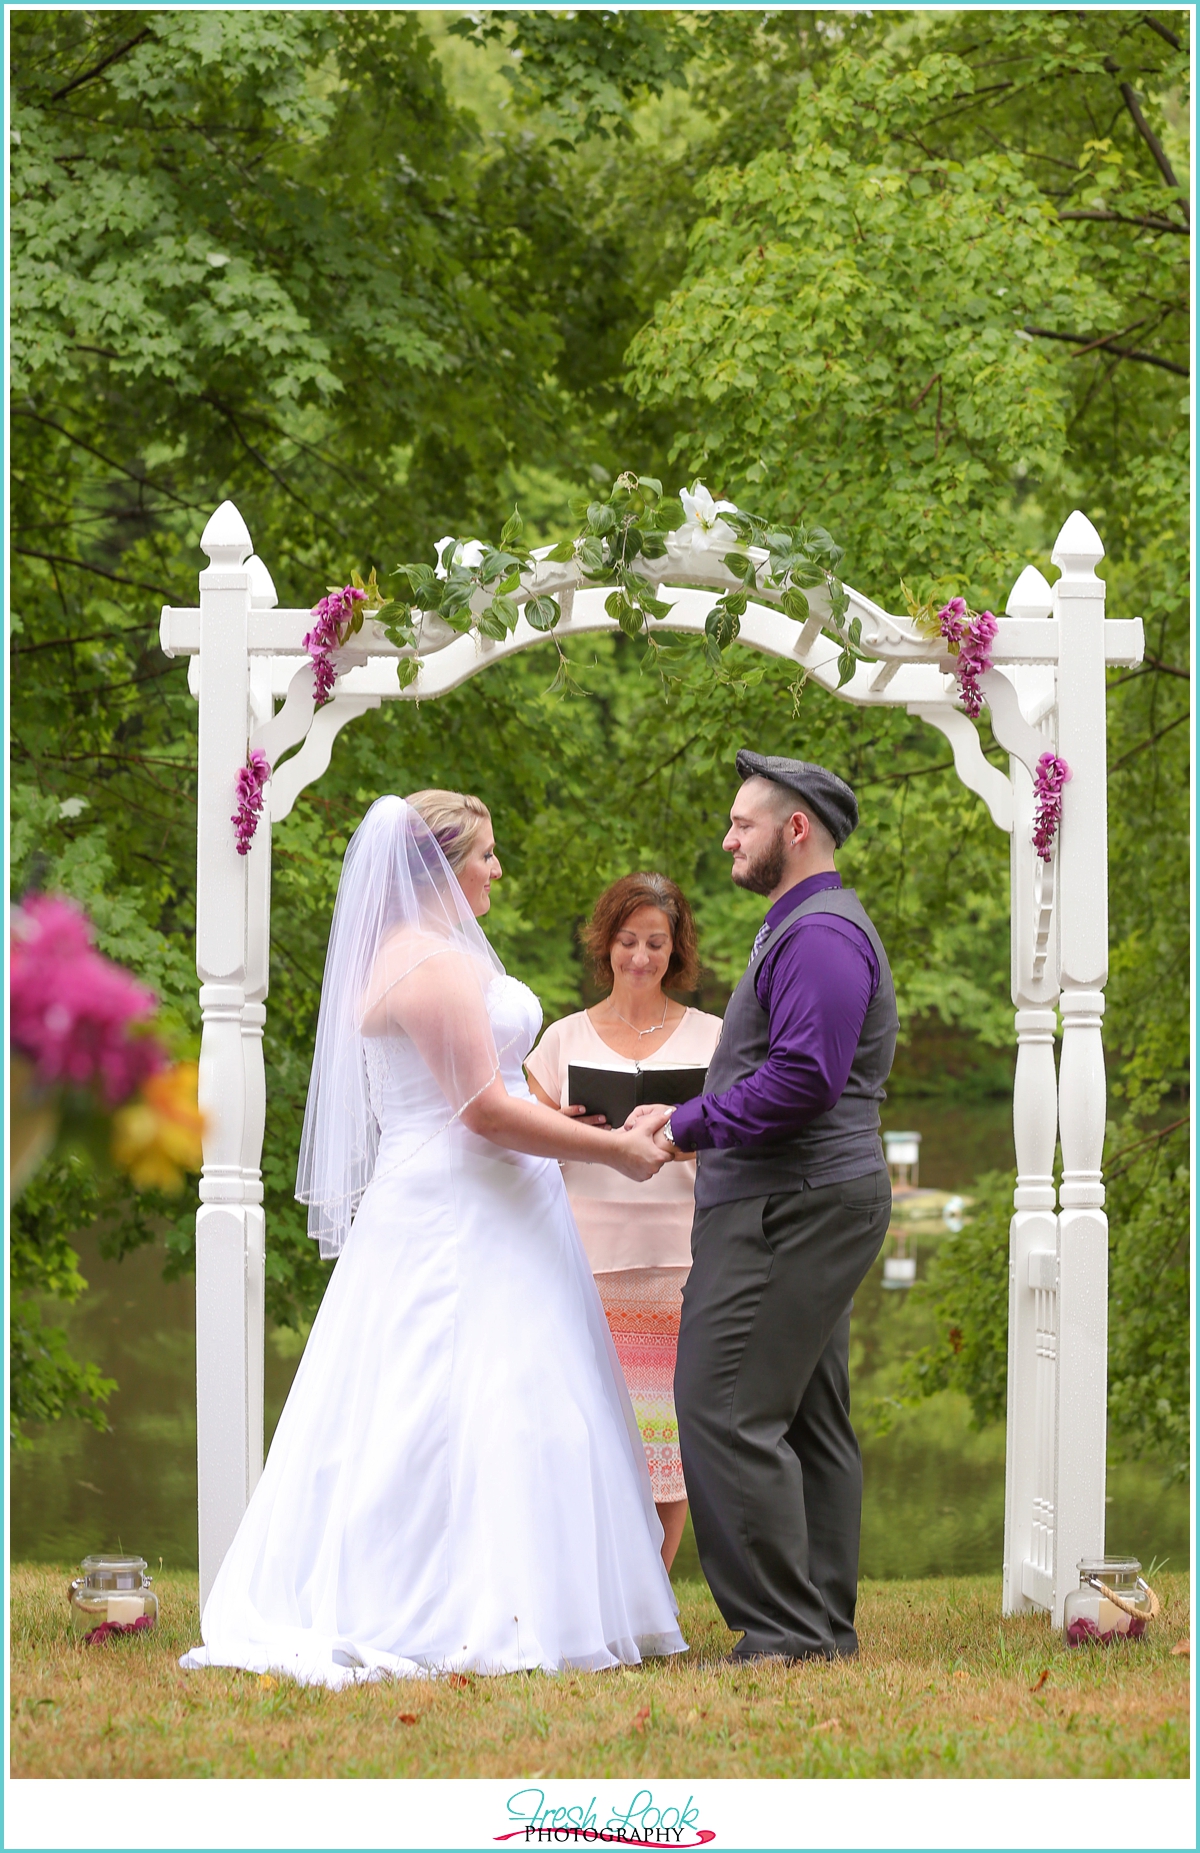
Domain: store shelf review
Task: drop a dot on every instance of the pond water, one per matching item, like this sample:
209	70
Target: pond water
934	1487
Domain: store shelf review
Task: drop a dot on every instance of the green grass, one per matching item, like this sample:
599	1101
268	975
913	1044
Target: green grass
944	1686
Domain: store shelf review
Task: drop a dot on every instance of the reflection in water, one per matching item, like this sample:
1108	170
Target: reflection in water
934	1488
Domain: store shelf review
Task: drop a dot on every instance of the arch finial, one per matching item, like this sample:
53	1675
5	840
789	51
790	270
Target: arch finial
226	539
1078	549
262	587
1031	596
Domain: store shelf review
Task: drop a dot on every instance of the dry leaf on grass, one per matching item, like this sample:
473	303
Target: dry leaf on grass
267	1682
639	1723
407	1717
1042	1677
1183	1647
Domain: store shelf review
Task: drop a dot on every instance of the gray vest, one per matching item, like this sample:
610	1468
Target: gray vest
836	1146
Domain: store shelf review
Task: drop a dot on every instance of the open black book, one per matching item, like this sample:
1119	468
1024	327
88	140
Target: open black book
615	1092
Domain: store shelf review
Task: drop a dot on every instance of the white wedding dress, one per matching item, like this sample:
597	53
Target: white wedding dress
457	1482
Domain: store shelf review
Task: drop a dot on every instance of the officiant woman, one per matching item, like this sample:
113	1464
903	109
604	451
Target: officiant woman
641	939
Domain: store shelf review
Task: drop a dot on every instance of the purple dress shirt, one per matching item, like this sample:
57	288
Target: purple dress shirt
815	985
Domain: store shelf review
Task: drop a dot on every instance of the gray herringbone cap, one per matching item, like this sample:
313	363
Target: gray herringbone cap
826	795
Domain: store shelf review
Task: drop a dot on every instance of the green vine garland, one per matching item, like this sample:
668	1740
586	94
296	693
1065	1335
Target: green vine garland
631	525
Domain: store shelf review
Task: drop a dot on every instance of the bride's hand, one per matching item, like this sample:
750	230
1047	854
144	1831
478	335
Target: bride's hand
636	1153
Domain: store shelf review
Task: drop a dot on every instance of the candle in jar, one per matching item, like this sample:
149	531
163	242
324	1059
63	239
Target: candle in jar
126	1608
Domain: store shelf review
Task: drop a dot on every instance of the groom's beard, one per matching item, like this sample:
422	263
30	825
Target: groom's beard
766	873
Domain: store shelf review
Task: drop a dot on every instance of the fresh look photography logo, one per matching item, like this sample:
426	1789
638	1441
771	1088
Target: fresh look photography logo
644	1821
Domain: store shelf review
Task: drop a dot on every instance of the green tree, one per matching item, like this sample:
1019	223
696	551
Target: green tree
271	257
250	259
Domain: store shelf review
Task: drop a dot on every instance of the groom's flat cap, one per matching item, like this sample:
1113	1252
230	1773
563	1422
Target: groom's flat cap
826	795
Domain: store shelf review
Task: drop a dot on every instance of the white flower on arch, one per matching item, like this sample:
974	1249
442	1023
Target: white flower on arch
467	553
704	527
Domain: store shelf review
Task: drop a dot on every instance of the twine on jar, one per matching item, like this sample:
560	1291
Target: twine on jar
1123	1602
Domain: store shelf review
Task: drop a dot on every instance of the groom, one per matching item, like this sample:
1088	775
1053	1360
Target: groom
792	1205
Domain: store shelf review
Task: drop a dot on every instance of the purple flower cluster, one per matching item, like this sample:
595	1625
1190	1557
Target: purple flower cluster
250	781
333	616
1052	775
971	635
71	1008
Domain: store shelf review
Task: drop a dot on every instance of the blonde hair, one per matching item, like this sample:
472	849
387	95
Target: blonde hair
455	817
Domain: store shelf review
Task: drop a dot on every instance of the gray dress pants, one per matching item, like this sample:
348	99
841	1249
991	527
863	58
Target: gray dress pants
762	1394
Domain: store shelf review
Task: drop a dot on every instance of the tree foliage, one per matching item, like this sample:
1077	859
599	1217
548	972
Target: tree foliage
835	264
584	73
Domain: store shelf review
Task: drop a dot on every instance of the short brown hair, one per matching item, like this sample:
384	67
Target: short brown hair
624	897
455	817
785	802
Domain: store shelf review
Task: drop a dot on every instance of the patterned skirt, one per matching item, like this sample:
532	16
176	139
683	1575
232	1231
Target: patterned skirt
642	1306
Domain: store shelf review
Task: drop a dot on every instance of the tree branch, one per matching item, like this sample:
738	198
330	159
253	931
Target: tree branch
1152	223
275	475
1123	353
102	66
1104	340
1153	1138
1167	669
146	482
1152	741
102	572
893	778
1155	146
1148	19
1150	666
129	630
111	688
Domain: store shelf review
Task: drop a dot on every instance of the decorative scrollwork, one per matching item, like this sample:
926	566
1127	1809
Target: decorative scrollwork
1043	911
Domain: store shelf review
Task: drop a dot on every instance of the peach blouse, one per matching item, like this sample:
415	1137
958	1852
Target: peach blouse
660	1233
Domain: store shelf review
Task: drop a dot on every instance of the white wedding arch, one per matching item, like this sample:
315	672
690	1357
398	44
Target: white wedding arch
1046	690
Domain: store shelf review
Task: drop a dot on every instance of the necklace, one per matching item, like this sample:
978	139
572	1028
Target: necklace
654	1028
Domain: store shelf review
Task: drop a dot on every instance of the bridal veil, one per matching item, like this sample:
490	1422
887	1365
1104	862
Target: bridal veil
406	958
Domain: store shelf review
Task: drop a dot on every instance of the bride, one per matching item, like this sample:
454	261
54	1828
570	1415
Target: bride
457	1482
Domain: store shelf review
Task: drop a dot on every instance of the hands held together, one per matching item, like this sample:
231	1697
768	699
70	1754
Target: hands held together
644	1150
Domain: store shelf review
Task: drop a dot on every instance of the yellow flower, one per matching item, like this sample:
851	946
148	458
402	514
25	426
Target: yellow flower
158	1136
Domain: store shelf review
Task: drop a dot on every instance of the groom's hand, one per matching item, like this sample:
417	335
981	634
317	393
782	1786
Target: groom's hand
653	1119
659	1115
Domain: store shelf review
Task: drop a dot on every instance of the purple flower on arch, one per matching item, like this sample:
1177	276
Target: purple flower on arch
970	636
1052	774
249	789
333	615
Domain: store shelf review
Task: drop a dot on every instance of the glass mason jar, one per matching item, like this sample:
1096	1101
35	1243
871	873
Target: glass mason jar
113	1594
1113	1602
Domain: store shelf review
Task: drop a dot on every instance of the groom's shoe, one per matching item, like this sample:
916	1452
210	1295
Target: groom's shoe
736	1659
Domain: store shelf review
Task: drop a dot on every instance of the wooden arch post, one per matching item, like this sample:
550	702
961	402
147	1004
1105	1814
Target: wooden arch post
1045	691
